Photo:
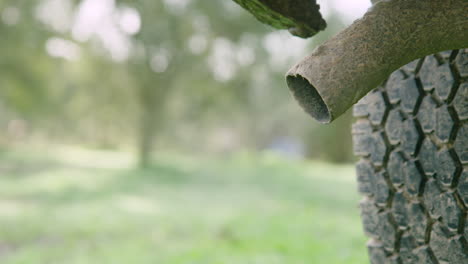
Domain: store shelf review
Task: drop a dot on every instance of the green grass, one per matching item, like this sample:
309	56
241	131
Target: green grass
91	207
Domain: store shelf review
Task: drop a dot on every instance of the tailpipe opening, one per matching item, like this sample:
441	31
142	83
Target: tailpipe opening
308	98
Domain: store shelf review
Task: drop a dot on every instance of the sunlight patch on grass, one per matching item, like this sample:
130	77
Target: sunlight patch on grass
137	205
99	159
13	208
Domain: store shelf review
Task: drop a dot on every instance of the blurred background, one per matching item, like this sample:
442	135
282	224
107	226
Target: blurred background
162	131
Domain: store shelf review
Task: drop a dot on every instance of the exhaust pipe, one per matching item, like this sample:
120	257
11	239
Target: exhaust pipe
391	34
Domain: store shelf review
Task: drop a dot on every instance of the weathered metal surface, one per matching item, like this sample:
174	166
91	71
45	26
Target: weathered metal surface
391	34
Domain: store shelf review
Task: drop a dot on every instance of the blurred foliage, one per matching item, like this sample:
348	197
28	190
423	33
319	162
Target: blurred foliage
191	75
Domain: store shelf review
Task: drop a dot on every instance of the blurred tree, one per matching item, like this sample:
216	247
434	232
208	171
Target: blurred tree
24	69
172	56
197	75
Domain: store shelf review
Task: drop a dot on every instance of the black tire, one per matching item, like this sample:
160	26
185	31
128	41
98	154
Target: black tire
411	135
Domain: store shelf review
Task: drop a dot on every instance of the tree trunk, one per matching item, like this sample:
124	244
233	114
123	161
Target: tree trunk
147	131
152	96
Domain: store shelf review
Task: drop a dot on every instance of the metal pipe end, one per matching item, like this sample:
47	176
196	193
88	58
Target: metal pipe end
309	98
349	65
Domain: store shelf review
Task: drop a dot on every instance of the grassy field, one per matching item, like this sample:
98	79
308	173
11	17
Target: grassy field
76	206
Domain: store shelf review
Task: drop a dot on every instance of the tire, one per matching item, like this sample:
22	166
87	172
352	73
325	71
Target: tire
411	135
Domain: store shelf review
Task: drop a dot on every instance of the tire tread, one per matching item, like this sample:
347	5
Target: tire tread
411	135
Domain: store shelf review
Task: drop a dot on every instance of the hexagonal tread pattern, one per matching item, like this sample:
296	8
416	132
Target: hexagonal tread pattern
460	103
412	137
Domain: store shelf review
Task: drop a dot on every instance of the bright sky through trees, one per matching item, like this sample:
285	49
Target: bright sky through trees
111	25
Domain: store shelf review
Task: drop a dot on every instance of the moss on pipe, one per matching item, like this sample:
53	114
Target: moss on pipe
301	17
